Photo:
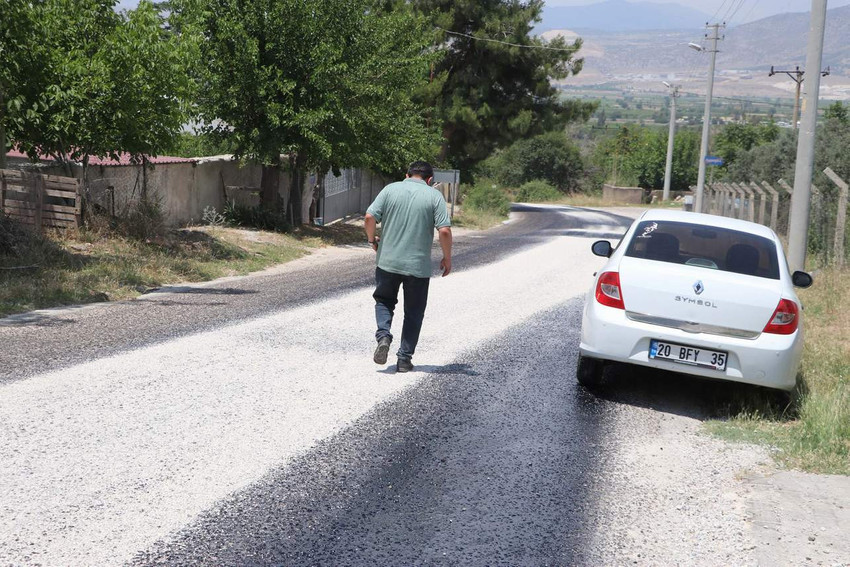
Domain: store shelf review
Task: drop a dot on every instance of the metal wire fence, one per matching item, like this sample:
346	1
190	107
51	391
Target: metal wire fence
770	204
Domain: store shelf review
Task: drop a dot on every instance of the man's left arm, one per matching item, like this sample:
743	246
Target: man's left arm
446	244
444	227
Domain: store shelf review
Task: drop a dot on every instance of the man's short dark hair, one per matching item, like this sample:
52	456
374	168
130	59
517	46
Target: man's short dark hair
421	169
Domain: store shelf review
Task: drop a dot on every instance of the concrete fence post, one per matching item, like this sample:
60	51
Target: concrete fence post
790	191
762	202
751	213
841	216
739	194
729	201
774	208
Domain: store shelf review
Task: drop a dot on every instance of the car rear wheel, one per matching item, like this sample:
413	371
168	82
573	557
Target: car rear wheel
589	371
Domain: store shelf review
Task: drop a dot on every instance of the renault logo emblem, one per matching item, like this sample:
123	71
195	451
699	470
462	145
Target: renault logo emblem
698	287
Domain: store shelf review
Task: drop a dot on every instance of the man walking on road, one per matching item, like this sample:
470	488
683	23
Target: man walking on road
408	211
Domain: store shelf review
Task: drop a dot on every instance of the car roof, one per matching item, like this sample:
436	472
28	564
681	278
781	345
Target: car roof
708	220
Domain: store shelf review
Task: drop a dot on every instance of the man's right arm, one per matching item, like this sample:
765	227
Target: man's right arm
371	227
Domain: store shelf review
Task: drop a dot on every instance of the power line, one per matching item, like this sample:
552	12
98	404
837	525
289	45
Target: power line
735	13
766	102
487	39
750	13
714	17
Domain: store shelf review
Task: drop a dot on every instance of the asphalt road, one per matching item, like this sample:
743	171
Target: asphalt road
242	423
42	341
490	460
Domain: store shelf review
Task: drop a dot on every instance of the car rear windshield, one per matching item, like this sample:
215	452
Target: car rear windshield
706	247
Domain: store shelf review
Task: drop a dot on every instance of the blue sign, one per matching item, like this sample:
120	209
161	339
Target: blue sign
713	160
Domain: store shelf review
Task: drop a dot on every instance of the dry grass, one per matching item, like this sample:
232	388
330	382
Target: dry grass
816	437
476	219
64	269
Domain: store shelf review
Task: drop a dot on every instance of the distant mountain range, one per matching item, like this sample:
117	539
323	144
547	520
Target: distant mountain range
619	15
642	58
781	40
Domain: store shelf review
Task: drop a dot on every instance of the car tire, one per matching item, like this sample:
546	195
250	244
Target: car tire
589	371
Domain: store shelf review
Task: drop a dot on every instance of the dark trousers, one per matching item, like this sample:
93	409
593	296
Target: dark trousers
386	298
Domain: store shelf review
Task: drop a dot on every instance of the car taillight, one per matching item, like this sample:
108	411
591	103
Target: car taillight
784	320
608	290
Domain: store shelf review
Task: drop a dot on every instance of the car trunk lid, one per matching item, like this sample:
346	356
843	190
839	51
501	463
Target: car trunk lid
705	300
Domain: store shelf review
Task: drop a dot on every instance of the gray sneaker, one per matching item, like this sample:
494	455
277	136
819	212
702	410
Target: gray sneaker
404	365
382	350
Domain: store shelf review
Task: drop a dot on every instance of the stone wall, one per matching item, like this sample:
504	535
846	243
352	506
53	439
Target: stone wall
625	195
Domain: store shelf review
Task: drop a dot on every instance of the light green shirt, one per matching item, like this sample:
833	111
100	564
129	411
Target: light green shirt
408	211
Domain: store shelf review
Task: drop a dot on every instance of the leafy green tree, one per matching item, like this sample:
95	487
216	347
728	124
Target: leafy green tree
493	86
837	111
549	157
638	156
766	162
18	60
96	83
327	83
734	138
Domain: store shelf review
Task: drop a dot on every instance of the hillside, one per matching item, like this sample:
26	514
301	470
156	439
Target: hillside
641	59
619	15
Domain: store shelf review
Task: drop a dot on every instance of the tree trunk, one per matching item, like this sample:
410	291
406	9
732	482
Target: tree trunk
269	183
296	189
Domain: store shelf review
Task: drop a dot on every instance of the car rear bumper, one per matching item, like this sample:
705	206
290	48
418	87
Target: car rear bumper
768	360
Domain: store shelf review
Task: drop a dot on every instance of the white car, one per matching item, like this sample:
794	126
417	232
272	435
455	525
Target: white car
697	294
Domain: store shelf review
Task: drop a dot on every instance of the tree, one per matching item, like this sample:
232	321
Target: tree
326	83
549	157
96	83
735	138
837	111
16	54
487	93
638	156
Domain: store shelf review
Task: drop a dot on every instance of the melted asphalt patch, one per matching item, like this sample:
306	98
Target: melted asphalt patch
489	460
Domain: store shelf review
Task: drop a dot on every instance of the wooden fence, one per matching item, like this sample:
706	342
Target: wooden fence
41	200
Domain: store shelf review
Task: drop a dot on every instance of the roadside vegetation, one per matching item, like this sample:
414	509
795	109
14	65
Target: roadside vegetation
812	433
39	271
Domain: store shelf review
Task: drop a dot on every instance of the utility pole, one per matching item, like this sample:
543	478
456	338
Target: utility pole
706	125
668	171
796	76
798	225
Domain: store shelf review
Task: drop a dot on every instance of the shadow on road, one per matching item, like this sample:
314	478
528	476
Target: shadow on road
447	369
188	290
35	319
688	396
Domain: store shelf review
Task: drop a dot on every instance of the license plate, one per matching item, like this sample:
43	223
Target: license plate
684	354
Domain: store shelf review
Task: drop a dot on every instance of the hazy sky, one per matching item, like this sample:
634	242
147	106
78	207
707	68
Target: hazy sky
747	10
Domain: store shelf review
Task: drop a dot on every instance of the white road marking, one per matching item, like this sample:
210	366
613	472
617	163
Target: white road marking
100	460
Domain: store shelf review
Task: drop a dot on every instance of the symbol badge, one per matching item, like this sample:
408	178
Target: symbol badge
698	287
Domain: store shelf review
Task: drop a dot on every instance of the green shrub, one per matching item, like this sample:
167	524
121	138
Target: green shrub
537	191
255	217
486	196
551	157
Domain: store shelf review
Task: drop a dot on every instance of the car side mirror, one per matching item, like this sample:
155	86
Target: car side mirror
801	279
602	248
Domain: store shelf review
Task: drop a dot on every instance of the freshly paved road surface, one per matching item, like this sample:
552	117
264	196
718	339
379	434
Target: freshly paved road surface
243	423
